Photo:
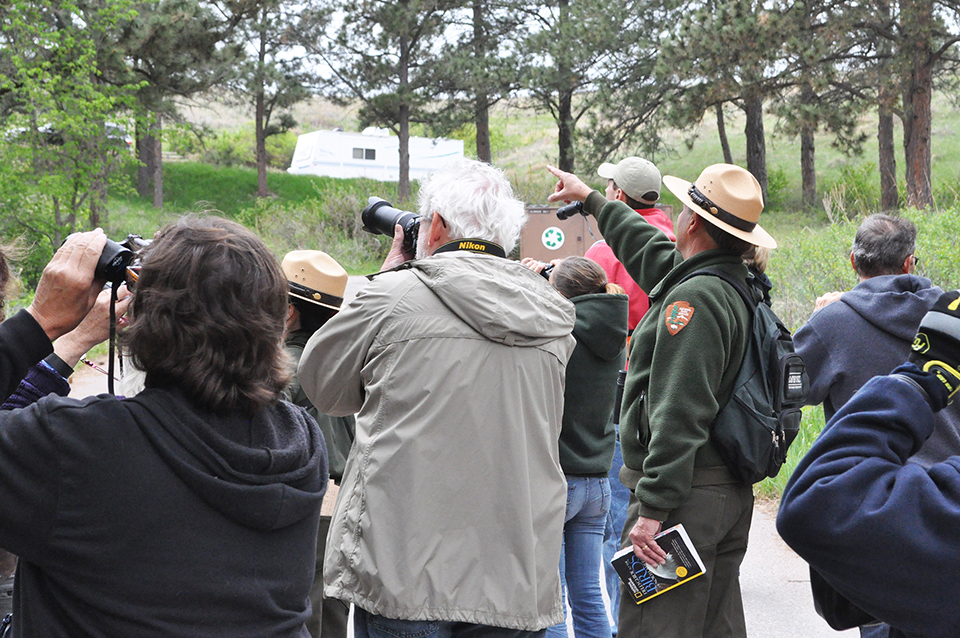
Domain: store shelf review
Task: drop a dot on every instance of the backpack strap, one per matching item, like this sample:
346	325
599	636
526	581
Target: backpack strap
748	296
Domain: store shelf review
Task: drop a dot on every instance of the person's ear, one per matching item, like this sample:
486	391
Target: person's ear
621	196
437	228
293	316
852	263
907	267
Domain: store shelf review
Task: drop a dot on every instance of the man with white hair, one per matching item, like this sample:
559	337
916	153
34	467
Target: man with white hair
451	507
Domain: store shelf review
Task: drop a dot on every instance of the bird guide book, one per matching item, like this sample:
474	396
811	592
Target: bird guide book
644	581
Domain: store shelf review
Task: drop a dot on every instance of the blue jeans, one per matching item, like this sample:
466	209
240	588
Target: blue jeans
367	625
881	630
588	501
616	519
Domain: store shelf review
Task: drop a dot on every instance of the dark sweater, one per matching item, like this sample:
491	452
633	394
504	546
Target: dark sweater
22	344
588	434
149	517
866	333
885	533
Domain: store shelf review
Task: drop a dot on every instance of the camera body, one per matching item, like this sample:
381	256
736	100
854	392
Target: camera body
118	262
380	218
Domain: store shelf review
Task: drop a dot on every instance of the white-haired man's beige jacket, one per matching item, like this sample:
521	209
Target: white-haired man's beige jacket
452	501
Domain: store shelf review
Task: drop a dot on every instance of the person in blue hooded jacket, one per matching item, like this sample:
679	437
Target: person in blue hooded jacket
884	532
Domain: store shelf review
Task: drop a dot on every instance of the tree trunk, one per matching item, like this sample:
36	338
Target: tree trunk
756	144
260	133
484	152
722	132
808	166
887	159
917	48
403	183
261	148
482	109
566	159
158	162
565	124
886	100
147	154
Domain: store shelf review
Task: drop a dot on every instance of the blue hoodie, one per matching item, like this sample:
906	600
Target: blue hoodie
885	533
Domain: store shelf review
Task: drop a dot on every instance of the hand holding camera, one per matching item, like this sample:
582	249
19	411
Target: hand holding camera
380	218
68	287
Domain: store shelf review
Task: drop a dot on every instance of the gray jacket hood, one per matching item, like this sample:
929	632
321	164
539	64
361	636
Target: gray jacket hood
891	303
484	295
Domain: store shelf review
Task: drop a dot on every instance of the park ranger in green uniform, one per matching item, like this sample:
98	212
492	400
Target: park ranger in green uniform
685	354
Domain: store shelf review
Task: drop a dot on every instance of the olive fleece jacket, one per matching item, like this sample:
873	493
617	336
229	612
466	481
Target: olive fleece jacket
685	354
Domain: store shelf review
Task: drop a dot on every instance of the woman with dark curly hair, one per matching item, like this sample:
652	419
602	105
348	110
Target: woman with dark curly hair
190	509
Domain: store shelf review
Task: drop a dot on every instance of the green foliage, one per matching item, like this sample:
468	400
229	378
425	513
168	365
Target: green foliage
808	262
63	124
777	186
855	191
936	245
232	147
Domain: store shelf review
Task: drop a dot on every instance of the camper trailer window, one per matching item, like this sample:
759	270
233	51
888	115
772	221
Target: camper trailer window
358	153
365	153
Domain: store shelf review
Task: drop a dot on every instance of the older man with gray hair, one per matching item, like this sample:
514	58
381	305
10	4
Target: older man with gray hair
450	513
867	331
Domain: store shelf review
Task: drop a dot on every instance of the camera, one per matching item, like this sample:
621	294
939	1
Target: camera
568	211
119	261
380	218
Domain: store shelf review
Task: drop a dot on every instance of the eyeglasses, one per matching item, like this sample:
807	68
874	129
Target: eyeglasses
915	259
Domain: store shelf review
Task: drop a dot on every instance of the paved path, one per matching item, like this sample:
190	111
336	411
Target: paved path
775	583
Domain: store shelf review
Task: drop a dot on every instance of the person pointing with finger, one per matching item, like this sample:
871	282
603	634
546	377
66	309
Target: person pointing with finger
684	356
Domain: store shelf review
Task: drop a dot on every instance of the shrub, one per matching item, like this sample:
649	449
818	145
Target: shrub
778	185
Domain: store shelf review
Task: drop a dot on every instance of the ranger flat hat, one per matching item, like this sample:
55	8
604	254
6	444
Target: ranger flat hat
728	197
635	176
316	277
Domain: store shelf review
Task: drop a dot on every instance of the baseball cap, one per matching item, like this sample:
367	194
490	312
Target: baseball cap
635	176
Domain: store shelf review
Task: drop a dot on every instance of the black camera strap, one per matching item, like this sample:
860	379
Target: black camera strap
113	336
481	246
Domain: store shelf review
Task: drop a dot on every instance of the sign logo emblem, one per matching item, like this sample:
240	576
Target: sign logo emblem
552	238
678	315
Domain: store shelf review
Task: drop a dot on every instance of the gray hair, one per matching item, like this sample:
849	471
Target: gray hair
881	245
476	200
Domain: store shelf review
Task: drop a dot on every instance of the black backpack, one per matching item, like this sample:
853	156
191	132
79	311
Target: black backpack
754	429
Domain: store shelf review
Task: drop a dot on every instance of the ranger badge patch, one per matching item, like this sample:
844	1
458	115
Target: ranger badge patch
678	315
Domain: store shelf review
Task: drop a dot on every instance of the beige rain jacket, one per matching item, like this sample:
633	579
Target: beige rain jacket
452	501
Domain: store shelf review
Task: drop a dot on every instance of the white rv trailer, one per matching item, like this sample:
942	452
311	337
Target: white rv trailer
374	153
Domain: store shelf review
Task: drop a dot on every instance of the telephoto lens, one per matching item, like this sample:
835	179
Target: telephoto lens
380	218
113	262
565	212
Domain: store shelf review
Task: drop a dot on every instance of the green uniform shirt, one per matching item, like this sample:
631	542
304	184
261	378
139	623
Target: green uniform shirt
684	356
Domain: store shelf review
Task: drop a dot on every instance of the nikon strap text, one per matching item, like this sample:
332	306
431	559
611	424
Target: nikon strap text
474	246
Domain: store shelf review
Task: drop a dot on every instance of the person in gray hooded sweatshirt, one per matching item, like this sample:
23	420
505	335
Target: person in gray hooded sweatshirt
450	511
867	331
